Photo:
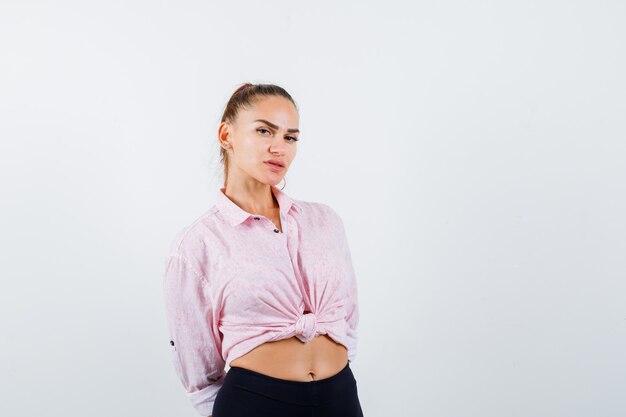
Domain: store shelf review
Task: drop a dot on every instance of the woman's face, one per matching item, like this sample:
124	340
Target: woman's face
267	130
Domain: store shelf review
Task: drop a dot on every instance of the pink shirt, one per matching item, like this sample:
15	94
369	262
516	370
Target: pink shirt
233	281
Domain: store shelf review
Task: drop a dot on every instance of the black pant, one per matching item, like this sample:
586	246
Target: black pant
246	393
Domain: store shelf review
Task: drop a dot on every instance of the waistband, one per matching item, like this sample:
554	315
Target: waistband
293	392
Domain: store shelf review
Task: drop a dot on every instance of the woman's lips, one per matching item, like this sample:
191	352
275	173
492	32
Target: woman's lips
273	167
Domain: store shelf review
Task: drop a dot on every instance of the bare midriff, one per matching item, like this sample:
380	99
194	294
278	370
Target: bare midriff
294	360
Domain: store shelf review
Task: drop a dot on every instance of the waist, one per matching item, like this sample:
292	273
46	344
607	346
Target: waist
292	360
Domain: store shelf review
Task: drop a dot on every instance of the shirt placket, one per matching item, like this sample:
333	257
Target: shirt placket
290	245
292	250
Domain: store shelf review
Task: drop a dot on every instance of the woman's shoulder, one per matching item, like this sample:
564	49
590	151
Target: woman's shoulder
192	240
318	212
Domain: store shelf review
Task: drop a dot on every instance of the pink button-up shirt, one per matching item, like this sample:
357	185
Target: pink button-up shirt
233	281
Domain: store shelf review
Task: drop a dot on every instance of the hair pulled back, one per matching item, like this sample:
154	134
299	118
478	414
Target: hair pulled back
244	97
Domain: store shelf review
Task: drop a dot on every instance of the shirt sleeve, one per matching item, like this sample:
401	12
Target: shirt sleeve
195	342
352	308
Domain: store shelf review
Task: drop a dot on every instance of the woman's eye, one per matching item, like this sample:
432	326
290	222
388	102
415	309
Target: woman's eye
291	138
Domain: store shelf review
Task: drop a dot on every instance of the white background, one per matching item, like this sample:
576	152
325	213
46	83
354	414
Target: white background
475	150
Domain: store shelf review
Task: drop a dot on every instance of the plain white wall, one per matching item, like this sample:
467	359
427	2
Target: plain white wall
476	151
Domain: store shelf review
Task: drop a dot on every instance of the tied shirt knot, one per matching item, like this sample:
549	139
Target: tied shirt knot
306	326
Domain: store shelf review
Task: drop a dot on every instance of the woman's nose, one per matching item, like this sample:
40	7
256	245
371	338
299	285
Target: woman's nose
277	145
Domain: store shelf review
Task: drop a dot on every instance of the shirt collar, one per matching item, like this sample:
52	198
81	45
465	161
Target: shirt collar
236	215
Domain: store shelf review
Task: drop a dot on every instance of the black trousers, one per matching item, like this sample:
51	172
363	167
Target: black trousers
246	393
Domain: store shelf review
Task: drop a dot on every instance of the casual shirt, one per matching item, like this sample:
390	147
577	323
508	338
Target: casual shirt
234	281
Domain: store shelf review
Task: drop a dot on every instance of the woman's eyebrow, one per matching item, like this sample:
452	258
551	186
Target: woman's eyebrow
273	126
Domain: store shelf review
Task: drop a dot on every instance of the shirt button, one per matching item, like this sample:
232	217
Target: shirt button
172	342
257	218
276	230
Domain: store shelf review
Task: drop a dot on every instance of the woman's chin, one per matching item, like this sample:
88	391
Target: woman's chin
273	179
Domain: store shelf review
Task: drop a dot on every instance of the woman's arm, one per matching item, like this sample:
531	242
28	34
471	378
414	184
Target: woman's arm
195	342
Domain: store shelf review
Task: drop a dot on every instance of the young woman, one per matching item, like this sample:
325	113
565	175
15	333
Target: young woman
262	282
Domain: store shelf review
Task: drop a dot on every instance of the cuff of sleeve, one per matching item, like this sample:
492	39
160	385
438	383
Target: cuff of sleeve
204	399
